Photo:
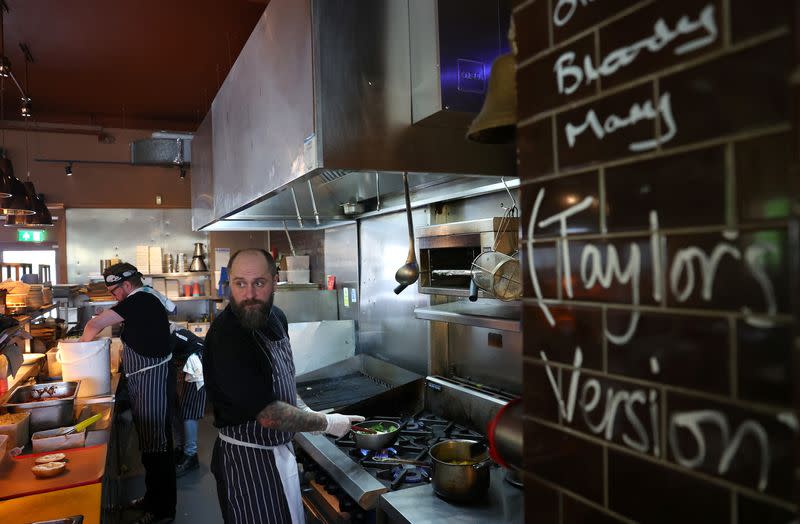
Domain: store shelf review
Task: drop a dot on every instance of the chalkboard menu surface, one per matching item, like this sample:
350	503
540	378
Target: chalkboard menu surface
658	159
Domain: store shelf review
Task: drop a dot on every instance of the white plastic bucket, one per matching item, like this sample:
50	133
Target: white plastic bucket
298	262
88	362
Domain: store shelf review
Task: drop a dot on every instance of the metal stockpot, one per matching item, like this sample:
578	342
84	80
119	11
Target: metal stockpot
379	441
460	482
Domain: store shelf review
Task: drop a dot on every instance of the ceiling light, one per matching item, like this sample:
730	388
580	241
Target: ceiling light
68	169
16	201
5	67
6	178
19	203
27	107
41	217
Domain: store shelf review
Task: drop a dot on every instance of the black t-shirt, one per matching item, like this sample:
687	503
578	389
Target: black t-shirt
236	371
184	343
146	328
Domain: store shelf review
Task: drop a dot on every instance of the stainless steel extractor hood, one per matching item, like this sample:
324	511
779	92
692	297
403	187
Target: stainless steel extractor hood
330	100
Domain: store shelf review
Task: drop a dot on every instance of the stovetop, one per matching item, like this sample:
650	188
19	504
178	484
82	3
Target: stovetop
417	435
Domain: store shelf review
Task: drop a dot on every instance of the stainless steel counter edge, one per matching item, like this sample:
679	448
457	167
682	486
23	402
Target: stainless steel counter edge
504	504
355	481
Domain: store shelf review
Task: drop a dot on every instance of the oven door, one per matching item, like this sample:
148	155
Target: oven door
322	507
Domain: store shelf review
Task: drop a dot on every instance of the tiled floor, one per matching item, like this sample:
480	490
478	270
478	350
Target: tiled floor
197	492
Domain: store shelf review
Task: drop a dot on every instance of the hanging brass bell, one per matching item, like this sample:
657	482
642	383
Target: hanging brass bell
496	123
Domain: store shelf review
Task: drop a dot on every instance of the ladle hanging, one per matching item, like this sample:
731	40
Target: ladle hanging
409	272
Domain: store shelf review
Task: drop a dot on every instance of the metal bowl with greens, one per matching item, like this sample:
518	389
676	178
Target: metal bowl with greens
386	434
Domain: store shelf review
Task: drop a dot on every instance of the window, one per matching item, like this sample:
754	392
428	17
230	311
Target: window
35	257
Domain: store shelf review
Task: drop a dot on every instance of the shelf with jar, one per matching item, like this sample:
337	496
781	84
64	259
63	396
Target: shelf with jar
191	291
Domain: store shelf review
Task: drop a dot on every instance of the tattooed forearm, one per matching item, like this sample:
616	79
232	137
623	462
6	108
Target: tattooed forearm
285	417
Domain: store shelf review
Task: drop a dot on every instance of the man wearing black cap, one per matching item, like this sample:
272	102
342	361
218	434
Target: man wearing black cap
151	381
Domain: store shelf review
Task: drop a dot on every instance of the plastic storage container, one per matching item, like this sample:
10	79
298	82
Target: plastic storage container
53	365
298	276
89	362
16	426
297	262
53	440
4	447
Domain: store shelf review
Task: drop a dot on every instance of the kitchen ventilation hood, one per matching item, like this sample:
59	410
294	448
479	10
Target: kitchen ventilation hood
331	100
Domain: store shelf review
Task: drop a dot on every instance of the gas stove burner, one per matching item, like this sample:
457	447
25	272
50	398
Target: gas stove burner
413	474
413	425
416	436
385	454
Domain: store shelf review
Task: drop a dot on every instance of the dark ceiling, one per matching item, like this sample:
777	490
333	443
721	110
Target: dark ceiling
147	64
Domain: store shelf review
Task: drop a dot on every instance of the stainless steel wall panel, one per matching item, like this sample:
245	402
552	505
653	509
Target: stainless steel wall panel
94	234
341	260
453	45
202	176
472	357
307	305
484	206
387	327
264	109
365	105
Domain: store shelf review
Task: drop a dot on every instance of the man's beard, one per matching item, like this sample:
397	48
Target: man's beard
252	314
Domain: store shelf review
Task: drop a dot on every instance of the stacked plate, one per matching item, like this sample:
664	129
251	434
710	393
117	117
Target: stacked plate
47	294
35	296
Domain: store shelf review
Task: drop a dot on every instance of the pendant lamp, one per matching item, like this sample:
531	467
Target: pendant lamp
41	217
6	176
19	203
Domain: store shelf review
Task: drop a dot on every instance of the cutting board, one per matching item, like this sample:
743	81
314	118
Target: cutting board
84	466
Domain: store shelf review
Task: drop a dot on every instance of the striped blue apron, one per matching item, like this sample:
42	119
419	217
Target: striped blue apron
191	401
257	479
147	384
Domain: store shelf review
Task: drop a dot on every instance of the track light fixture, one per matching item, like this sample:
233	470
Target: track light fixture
27	108
68	169
183	173
5	67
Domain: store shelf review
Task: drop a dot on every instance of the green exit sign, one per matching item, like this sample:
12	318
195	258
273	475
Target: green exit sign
31	235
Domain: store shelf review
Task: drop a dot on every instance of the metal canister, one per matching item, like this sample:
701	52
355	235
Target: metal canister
181	265
169	264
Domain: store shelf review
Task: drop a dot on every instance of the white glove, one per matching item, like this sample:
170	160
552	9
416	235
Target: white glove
339	425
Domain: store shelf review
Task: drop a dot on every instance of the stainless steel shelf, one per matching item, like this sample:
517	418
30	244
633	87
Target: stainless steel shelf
491	314
189	299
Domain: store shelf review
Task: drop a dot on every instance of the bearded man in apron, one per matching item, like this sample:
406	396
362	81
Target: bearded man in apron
249	379
151	382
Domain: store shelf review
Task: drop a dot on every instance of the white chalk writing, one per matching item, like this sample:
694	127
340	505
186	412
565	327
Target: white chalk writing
692	420
637	113
682	265
606	418
569	76
591	394
682	268
564	9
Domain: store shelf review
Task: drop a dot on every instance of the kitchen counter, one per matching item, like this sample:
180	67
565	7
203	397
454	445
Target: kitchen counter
503	504
76	491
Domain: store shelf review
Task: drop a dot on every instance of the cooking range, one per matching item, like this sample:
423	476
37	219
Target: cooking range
416	435
342	482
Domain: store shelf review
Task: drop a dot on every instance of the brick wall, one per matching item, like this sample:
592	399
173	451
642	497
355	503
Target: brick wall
658	161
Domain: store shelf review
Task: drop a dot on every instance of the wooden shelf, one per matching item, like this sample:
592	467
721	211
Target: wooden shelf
28	316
